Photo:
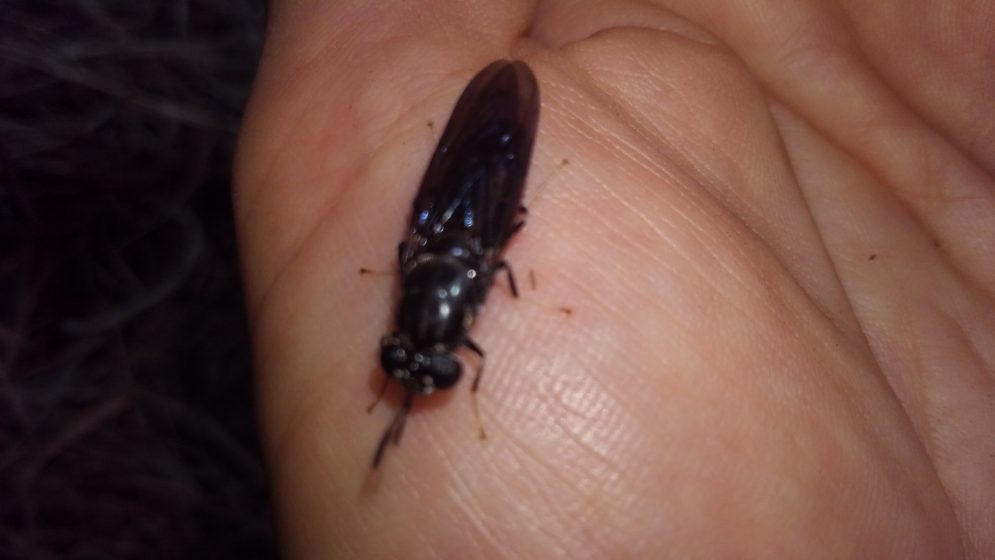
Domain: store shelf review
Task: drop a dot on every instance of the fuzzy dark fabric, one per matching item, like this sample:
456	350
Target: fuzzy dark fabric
126	423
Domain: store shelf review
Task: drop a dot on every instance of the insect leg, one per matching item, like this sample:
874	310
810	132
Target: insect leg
504	264
402	248
511	276
469	343
476	349
383	389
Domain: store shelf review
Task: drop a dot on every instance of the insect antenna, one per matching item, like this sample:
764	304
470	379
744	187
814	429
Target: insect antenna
382	445
402	416
394	429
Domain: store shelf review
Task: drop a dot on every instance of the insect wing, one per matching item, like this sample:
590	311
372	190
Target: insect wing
477	175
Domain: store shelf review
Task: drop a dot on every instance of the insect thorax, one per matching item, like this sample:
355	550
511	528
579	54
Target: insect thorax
441	293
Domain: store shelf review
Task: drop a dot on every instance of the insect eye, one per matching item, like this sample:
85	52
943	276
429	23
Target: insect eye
393	356
445	370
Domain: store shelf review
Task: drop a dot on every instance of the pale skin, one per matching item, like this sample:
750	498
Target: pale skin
775	230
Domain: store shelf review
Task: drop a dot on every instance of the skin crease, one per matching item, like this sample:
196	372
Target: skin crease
774	230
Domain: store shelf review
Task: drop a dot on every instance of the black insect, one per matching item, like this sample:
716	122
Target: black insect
467	209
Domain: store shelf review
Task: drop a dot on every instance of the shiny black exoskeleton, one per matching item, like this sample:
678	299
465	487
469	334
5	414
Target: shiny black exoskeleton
466	211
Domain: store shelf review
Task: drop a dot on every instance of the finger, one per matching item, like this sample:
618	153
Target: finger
931	331
864	93
809	56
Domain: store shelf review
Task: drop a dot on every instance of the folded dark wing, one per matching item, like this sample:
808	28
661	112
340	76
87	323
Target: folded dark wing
477	175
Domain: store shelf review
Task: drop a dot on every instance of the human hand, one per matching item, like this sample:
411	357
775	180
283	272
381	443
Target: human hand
775	231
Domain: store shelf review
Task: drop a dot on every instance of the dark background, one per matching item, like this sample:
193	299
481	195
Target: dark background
126	424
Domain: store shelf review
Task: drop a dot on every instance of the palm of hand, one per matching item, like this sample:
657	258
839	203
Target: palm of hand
778	254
